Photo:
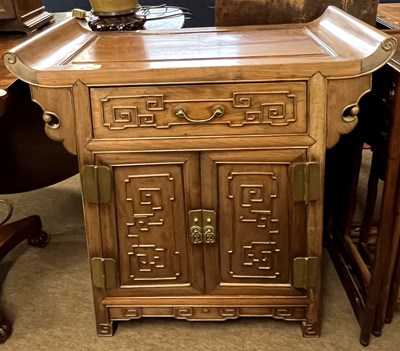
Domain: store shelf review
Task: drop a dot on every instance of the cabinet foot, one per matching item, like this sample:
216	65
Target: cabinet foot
311	330
39	240
377	333
105	329
5	332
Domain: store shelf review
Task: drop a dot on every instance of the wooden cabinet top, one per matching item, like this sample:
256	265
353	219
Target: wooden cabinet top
336	45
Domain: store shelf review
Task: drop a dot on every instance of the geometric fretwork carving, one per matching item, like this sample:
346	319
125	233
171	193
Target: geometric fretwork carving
146	203
148	259
183	312
146	208
105	329
125	115
132	312
279	109
259	255
261	258
253	195
252	198
208	313
275	108
257	200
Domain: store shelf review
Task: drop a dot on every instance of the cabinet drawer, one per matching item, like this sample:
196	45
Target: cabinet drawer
199	110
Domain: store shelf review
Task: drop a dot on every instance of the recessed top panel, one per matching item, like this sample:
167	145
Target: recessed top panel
199	46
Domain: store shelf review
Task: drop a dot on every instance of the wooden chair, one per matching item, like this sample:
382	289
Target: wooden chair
365	252
390	211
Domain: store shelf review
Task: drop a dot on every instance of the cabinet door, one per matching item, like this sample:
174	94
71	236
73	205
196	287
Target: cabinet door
153	194
260	228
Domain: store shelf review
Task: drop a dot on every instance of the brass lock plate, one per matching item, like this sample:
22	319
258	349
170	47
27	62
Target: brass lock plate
209	233
196	226
202	224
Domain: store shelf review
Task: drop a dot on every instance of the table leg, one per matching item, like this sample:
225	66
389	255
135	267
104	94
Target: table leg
11	235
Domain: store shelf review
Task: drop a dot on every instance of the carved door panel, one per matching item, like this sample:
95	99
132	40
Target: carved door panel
260	228
150	242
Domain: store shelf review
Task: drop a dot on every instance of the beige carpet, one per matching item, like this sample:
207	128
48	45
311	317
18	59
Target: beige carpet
47	295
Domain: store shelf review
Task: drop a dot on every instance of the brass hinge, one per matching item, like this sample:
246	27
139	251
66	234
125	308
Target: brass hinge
305	272
97	184
202	225
104	273
306	181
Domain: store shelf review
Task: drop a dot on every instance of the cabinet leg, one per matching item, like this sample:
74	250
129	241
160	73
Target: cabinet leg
5	332
12	234
105	329
311	330
39	240
104	326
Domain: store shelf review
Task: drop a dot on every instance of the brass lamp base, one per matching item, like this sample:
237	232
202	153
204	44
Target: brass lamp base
104	8
128	22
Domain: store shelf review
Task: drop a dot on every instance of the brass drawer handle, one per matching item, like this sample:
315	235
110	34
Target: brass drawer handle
217	111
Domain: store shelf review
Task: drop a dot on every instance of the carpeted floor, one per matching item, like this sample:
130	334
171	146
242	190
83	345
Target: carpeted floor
46	293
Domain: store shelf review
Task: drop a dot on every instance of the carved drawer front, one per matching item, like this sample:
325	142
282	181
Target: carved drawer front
196	110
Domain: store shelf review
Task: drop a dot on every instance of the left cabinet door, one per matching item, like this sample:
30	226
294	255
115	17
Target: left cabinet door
144	227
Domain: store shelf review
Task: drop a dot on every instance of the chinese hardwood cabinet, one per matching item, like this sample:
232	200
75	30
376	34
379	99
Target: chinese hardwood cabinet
202	156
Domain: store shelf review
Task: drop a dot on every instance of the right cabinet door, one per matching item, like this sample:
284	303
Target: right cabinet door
260	228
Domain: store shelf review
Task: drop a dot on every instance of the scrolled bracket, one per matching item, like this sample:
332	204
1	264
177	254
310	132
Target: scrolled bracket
52	120
350	114
343	108
58	115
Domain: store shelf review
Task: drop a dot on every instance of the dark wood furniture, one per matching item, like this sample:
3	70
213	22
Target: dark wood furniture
389	18
365	253
29	160
243	12
390	288
201	165
23	16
